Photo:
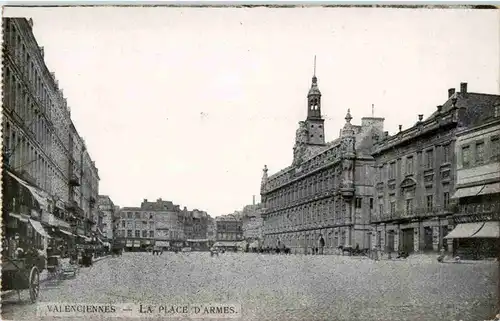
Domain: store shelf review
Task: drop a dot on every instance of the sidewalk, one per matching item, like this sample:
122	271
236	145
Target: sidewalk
44	275
431	258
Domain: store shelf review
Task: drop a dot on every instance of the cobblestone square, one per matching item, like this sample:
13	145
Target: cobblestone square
284	287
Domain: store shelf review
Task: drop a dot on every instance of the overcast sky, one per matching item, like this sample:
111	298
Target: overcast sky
188	104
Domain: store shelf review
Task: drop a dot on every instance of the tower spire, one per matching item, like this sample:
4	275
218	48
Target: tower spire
314	73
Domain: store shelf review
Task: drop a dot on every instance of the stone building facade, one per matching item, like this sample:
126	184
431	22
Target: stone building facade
252	222
161	221
38	132
416	175
200	225
327	191
476	227
228	228
107	208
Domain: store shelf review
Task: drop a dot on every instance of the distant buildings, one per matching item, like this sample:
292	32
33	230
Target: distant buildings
49	174
211	229
229	228
107	208
160	222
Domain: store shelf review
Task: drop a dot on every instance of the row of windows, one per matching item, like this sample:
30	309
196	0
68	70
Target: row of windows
318	183
328	212
409	204
478	153
137	233
229	236
407	165
26	156
27	65
18	100
138	224
136	215
151	234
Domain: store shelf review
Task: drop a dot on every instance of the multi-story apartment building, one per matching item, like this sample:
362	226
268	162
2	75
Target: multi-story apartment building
326	193
150	223
252	222
37	133
416	175
211	229
200	224
228	228
136	228
476	228
107	208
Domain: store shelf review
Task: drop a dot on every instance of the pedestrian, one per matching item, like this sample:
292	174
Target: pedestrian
321	244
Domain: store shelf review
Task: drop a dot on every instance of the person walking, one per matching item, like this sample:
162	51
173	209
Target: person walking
321	244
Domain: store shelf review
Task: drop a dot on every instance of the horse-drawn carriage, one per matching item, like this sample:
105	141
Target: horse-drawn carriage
21	274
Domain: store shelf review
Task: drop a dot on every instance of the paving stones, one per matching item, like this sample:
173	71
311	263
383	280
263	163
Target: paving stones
287	287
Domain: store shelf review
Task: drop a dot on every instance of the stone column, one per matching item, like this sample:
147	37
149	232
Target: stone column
435	238
396	239
416	238
450	228
374	237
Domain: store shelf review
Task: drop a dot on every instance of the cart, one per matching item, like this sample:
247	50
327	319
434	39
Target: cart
54	266
21	274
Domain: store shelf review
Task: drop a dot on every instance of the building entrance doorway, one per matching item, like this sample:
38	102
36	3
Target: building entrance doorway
407	240
427	239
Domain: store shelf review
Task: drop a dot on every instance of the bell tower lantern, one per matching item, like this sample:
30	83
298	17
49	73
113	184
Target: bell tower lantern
314	120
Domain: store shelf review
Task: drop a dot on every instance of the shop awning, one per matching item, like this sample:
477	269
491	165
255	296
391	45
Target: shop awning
40	196
129	244
137	244
162	243
21	217
254	244
226	244
488	230
465	230
67	233
477	190
86	238
39	228
197	240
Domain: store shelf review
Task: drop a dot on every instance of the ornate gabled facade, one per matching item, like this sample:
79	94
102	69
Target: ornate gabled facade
416	175
326	192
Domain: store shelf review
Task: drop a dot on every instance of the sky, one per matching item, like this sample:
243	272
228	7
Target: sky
189	104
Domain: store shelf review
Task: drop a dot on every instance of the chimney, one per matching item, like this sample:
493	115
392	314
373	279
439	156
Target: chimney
30	22
451	92
42	52
254	200
439	108
145	200
420	117
386	134
463	87
400	128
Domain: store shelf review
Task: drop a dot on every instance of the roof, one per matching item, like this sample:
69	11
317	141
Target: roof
476	100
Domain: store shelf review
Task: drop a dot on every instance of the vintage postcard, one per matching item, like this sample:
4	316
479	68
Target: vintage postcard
250	163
